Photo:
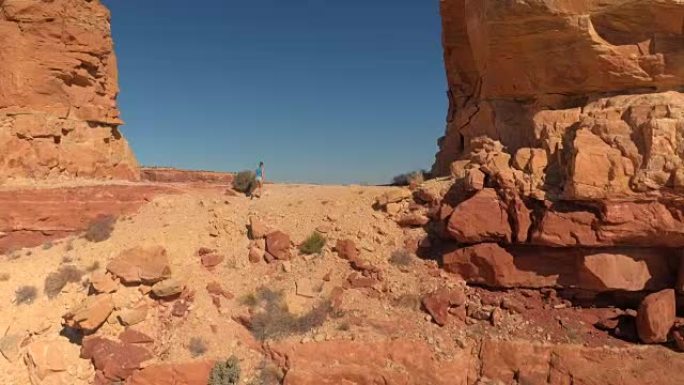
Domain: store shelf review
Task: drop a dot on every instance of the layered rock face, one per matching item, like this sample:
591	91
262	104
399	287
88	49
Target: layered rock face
58	112
565	140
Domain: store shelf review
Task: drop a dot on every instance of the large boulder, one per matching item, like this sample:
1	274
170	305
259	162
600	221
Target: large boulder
115	360
482	218
491	265
141	265
655	316
48	362
278	244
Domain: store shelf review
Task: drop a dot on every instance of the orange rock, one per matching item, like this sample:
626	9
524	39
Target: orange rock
392	363
346	249
438	303
278	244
655	316
481	218
61	119
91	313
191	373
141	265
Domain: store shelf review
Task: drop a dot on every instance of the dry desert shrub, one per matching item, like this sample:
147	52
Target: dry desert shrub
55	281
225	372
93	267
197	346
47	245
25	295
245	182
269	374
412	178
313	244
273	319
401	258
4	277
100	229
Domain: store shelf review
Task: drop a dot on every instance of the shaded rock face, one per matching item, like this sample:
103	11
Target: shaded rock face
58	112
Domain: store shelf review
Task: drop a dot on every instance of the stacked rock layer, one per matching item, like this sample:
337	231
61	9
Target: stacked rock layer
58	89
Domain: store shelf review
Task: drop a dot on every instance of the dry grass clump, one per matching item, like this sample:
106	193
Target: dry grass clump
93	267
272	319
4	277
197	346
55	281
401	258
313	244
225	372
25	295
269	374
100	229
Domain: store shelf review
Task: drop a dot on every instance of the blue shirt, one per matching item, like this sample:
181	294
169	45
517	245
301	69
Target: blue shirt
259	172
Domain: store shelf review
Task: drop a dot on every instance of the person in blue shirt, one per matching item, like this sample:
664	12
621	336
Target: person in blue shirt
260	179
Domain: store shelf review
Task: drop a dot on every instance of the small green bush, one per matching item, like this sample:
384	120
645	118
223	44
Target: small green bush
225	372
245	182
55	281
313	245
25	295
100	229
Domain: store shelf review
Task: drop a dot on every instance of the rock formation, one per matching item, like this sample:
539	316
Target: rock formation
564	148
58	112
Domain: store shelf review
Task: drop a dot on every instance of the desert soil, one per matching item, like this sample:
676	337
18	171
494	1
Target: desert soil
211	218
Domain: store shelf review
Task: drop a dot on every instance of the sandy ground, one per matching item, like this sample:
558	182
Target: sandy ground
182	223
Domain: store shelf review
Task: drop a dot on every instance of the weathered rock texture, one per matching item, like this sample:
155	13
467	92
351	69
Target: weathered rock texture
565	144
58	112
174	175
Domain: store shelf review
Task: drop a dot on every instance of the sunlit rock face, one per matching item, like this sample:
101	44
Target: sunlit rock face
58	89
585	97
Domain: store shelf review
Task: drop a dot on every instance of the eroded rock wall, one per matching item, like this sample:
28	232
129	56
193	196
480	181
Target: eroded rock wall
564	144
58	89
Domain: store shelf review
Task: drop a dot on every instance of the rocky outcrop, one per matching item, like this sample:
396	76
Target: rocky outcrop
58	112
581	83
565	149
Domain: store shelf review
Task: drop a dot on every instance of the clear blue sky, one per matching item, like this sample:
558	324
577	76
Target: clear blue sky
323	91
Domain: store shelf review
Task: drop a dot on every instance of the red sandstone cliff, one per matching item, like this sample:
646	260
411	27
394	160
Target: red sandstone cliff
58	89
584	96
565	147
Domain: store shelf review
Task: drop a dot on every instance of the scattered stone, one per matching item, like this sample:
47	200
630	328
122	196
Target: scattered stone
115	360
91	313
256	254
359	282
413	220
393	196
346	249
103	283
181	308
141	265
286	266
278	245
497	317
211	260
204	251
132	336
438	303
324	228
168	287
479	313
305	288
46	362
257	228
678	337
215	288
134	316
393	208
655	316
191	373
